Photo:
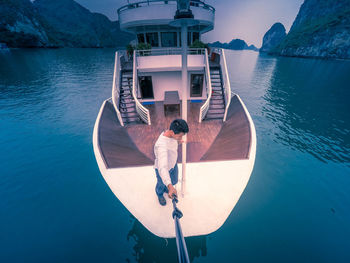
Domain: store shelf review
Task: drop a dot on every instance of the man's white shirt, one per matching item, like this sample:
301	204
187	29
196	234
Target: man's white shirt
165	151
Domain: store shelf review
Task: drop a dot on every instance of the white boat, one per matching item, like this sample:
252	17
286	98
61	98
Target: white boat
216	162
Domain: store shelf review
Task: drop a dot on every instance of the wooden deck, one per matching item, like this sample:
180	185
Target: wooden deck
211	140
116	146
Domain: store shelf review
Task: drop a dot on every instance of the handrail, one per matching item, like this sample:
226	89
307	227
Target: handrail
141	110
205	107
196	3
116	87
169	51
226	84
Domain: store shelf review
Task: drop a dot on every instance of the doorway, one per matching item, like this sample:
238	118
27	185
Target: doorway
196	85
146	87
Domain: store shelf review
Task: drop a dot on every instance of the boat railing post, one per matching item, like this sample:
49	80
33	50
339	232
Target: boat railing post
115	88
227	85
184	101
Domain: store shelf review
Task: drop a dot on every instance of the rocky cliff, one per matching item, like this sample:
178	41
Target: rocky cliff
70	24
273	37
235	44
321	29
20	25
52	23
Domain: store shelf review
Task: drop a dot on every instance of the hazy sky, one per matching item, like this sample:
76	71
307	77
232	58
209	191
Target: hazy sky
245	19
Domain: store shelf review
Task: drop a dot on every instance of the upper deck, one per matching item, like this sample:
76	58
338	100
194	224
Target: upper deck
155	14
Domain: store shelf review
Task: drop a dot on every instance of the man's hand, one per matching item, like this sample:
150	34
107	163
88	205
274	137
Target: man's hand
172	191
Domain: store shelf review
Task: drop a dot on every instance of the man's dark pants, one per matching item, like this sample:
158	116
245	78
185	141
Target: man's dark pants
161	188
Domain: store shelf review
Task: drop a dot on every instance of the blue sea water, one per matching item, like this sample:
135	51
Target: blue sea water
56	207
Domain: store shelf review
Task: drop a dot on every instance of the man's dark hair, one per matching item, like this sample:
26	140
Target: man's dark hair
179	125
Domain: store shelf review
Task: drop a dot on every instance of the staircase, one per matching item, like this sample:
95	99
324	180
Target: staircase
217	102
127	105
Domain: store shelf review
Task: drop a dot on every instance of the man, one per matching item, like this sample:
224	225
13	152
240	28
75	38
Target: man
165	164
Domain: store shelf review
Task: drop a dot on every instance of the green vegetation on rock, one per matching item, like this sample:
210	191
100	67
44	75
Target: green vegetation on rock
52	23
321	29
199	44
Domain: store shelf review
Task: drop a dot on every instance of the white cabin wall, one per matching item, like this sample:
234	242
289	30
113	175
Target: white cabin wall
171	81
165	81
168	63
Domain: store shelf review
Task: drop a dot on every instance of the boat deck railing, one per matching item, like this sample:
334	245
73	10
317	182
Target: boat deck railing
141	110
205	107
226	80
168	51
196	3
116	85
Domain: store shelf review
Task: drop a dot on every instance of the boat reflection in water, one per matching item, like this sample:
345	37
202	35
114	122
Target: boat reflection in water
146	243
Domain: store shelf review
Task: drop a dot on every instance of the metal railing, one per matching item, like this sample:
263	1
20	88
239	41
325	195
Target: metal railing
116	87
205	107
141	110
168	51
226	82
137	4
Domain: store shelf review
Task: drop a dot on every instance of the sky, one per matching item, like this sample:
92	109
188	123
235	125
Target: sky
244	19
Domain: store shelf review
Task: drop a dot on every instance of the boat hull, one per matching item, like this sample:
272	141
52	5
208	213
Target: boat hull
212	189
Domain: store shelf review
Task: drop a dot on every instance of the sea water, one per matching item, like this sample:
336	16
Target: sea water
56	207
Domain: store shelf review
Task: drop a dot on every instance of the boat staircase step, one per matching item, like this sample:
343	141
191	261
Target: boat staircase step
126	85
126	96
125	93
217	102
126	82
216	96
127	110
216	111
127	100
215	76
217	106
132	120
130	114
216	92
127	104
211	116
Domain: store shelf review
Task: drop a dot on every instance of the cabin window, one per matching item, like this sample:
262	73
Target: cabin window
196	85
169	39
146	87
152	38
195	36
141	38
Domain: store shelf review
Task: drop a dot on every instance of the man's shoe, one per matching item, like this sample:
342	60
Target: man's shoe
162	200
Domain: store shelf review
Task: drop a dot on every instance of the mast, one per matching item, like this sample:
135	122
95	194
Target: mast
184	18
184	101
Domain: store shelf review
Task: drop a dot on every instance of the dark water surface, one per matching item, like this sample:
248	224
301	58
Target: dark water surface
56	207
